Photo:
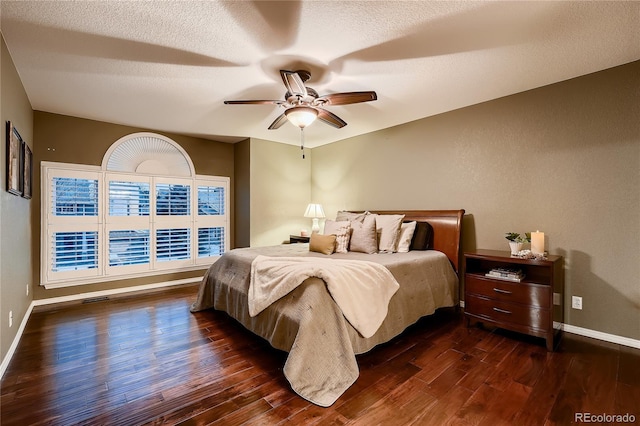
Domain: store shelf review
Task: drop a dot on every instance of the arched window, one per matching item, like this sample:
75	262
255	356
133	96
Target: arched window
148	153
144	211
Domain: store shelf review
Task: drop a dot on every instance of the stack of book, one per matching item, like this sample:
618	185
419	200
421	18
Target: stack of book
506	274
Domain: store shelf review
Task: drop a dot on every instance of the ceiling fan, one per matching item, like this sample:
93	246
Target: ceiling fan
303	104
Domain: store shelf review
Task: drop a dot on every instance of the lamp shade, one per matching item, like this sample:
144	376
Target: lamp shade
301	116
314	210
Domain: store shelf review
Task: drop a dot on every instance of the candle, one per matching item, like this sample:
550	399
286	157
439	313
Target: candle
537	242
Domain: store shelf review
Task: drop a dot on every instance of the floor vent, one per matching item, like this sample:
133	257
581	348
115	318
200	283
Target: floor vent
96	299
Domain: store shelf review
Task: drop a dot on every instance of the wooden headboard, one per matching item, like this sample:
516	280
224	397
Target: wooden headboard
447	230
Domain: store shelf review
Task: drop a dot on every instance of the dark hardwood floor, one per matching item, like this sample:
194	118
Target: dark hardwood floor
145	359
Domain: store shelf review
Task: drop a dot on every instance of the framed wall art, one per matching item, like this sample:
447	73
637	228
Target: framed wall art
14	160
27	170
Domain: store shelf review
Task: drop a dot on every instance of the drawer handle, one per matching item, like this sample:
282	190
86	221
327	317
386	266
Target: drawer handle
502	311
498	290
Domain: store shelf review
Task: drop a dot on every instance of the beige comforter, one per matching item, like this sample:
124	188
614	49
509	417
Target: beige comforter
307	322
361	289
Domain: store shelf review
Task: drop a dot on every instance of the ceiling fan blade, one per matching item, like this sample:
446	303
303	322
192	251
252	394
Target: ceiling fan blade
254	102
278	122
293	83
346	98
330	118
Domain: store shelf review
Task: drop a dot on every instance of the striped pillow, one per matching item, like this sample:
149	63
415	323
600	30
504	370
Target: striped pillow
342	231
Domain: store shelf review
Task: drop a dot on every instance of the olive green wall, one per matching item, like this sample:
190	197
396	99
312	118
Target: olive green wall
564	159
242	206
279	192
67	139
15	229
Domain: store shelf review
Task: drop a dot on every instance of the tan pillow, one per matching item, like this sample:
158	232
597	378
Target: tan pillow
406	234
350	216
342	231
388	228
363	235
324	244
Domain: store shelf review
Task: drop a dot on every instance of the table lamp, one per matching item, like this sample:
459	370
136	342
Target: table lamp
314	211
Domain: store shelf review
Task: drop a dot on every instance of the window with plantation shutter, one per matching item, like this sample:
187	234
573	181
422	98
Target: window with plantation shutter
210	220
173	244
129	247
173	199
130	218
129	198
71	224
210	200
74	251
72	196
210	241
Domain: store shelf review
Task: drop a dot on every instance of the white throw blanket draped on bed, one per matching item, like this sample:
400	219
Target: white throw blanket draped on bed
361	289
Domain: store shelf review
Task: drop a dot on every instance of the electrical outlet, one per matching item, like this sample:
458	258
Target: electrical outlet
576	302
10	318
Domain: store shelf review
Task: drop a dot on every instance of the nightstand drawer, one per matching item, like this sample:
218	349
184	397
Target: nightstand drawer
525	293
504	312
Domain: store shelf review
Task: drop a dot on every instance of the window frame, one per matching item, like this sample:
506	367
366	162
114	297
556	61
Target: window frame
103	223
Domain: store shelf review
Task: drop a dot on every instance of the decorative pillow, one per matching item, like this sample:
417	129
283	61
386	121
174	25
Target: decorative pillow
406	234
342	231
350	216
422	237
363	235
324	244
388	228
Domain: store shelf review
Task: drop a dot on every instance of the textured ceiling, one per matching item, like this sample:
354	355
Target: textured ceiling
169	65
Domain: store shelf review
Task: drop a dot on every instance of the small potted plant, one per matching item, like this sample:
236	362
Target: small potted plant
516	241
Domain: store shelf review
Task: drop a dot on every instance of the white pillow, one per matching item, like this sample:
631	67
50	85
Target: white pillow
342	231
406	234
388	228
363	236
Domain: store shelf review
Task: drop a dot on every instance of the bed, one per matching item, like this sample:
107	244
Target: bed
308	323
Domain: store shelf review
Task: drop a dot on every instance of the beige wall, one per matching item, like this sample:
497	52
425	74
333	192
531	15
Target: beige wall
74	140
279	191
564	159
15	230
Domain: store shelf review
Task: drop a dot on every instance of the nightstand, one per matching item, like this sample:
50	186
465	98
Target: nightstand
525	305
293	239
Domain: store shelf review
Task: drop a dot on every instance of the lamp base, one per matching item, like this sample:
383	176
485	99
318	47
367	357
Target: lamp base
315	226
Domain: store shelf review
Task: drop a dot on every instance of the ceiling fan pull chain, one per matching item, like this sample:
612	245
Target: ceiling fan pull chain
302	141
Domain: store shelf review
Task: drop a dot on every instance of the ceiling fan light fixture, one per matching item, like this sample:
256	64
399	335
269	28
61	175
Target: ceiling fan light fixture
301	116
